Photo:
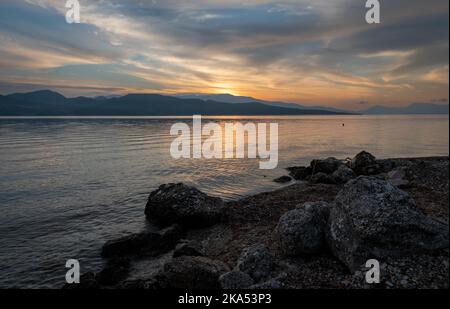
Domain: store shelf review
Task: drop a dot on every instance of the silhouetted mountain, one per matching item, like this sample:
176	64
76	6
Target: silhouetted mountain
414	109
228	98
48	103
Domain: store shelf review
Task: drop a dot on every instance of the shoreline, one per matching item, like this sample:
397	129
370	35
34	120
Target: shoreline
224	242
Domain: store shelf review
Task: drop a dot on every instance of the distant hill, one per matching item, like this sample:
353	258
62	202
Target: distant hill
413	109
228	98
49	103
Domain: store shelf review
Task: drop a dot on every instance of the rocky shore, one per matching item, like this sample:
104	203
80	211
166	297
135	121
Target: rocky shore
316	233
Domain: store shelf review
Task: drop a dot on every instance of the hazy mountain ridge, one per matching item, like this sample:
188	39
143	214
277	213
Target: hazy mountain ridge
228	98
49	103
415	108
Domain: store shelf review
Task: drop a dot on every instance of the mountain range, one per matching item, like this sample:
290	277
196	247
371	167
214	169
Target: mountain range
49	103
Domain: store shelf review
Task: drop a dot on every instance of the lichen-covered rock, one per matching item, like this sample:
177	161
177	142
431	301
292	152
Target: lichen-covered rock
302	230
235	280
256	261
194	272
187	206
144	243
373	219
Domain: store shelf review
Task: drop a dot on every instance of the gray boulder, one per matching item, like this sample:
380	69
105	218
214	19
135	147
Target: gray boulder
194	272
373	219
256	261
187	206
365	163
302	230
144	243
343	174
235	280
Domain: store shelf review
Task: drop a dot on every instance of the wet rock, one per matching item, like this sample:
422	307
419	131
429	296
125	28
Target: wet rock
300	173
191	248
194	272
235	280
302	230
144	243
327	166
116	270
343	174
283	179
373	219
365	163
322	178
187	206
256	261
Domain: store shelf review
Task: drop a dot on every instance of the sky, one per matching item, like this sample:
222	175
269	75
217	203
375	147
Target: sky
309	52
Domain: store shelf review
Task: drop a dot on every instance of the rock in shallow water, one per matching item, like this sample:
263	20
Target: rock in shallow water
144	243
256	261
283	179
373	219
302	230
187	206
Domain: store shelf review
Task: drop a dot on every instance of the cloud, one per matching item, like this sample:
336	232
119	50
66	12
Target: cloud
304	51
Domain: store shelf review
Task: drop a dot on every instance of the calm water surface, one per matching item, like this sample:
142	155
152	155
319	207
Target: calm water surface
68	185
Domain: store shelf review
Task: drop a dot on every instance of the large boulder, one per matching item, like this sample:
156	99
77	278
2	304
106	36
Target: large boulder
365	163
302	230
327	166
373	219
343	174
235	280
256	261
194	272
144	243
187	206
